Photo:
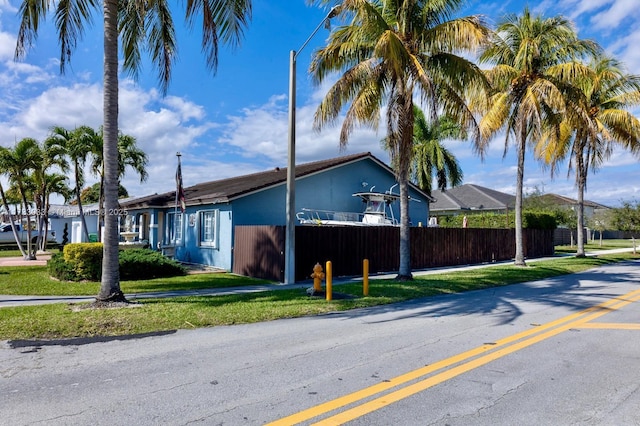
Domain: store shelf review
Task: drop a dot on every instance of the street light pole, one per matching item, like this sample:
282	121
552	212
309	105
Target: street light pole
290	233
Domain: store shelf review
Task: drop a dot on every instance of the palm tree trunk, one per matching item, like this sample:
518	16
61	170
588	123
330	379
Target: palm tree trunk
581	181
12	222
30	253
405	149
110	284
82	218
404	272
39	220
45	234
519	259
101	204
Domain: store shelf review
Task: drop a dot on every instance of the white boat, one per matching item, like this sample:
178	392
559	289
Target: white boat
377	212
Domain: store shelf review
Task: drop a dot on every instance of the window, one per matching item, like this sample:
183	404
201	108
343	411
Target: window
173	232
207	233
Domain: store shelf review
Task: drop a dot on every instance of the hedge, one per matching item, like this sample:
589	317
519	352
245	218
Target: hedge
530	219
83	261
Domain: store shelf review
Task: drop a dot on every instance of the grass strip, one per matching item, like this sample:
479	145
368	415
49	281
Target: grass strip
35	281
152	315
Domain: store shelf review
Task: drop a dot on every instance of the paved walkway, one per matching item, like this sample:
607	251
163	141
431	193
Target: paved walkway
10	300
41	259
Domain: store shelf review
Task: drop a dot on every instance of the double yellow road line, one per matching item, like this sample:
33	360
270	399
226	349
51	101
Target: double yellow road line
455	366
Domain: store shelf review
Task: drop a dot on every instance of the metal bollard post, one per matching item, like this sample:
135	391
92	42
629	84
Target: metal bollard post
329	278
365	277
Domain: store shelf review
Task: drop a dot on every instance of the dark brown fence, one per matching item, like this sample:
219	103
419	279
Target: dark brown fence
259	250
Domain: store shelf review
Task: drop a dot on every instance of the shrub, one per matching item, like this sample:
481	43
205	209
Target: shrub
530	219
142	264
538	220
60	269
85	259
84	262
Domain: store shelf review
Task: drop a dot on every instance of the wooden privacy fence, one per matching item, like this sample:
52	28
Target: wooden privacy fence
259	250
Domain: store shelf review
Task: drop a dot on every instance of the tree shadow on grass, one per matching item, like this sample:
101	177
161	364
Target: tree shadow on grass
503	302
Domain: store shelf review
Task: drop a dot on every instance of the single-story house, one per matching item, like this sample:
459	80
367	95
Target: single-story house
470	198
204	233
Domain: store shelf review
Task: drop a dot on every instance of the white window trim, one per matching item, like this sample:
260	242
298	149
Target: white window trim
171	218
200	228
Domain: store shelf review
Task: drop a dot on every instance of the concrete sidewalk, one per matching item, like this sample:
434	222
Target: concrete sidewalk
41	260
11	300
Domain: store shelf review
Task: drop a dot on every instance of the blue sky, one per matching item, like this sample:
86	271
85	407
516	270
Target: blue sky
235	122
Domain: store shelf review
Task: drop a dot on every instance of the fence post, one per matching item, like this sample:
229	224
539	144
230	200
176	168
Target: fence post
329	282
365	277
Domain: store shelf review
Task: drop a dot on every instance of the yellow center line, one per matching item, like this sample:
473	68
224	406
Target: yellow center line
410	390
413	375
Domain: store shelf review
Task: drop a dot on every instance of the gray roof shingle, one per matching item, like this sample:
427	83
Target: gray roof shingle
471	197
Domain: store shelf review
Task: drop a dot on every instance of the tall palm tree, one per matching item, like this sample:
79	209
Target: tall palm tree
390	51
601	120
144	26
430	157
18	163
527	52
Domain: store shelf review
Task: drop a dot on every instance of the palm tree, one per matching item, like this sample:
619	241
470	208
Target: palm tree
390	51
18	163
129	155
144	26
55	183
51	154
601	121
430	157
78	144
527	52
5	204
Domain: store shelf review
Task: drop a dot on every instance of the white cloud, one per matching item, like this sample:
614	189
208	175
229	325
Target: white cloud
264	131
615	14
626	49
7	46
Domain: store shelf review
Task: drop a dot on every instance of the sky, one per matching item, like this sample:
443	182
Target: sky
235	121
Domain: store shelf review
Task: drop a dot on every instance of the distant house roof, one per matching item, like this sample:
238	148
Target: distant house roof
566	201
70	210
471	197
226	190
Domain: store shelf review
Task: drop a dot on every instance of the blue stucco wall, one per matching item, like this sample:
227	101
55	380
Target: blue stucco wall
220	255
329	190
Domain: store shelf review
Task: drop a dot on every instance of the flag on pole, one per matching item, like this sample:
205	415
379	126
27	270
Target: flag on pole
180	189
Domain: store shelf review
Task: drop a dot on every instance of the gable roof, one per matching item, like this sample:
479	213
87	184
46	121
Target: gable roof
471	197
226	190
566	201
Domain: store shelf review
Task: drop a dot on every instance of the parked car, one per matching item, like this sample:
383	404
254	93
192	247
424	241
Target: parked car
6	235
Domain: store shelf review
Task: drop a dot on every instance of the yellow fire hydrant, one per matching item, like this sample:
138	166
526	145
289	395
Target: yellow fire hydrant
318	276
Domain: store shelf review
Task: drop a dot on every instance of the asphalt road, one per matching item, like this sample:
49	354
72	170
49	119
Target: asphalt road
559	351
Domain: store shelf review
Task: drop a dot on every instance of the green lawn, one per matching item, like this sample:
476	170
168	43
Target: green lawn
63	321
595	246
35	280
